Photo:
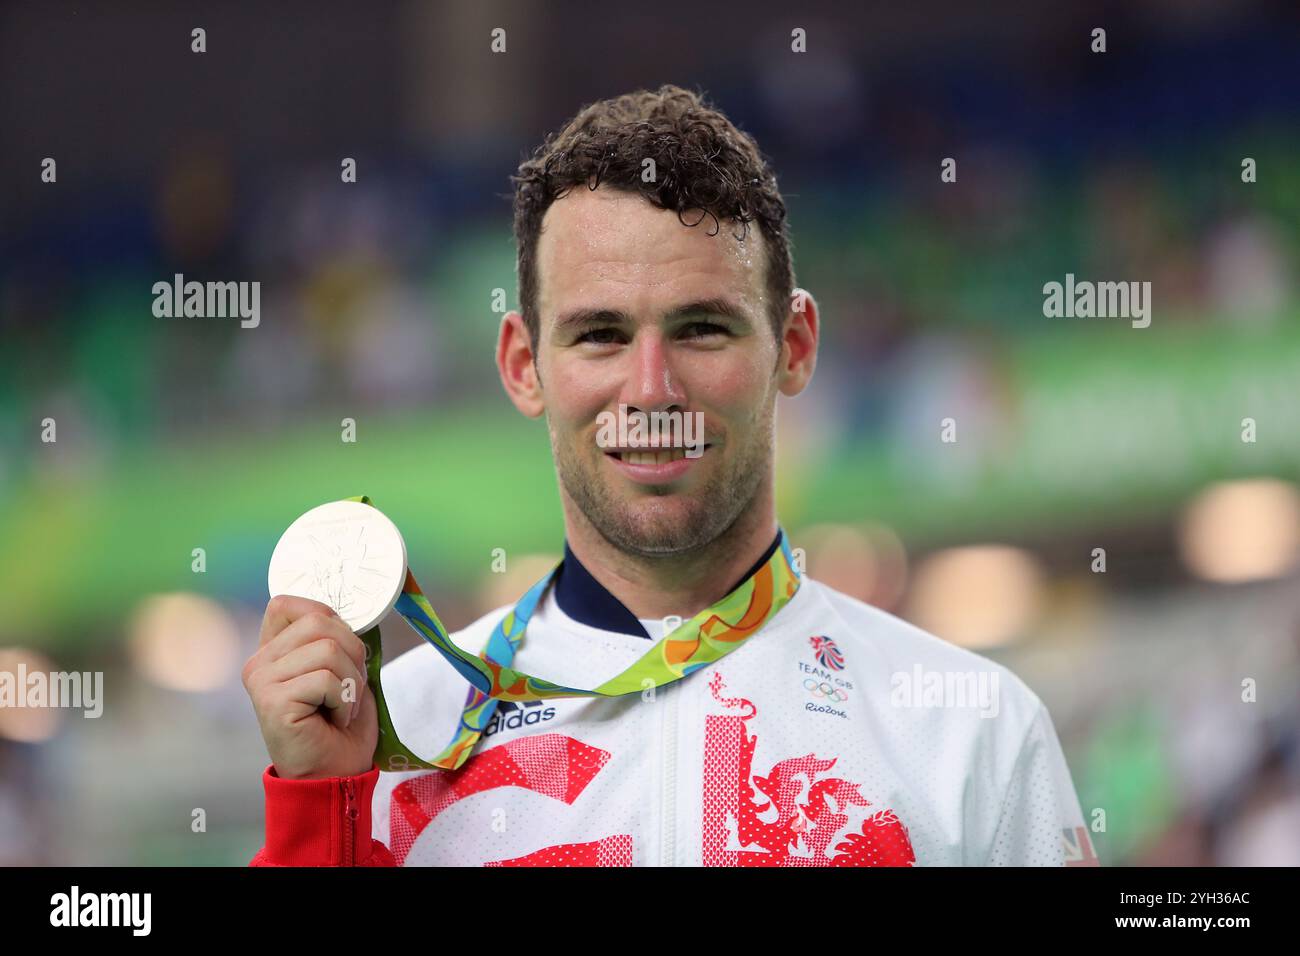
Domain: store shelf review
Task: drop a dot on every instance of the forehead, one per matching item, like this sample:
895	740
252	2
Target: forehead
614	249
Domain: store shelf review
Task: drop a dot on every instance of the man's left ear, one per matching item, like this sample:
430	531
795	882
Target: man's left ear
799	344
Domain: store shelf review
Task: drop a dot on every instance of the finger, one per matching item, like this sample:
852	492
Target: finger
283	609
367	709
323	654
309	692
313	627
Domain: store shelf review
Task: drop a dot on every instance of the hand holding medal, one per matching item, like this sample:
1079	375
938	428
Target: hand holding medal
335	572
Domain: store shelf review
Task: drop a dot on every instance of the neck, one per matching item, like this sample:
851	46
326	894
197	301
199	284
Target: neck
681	584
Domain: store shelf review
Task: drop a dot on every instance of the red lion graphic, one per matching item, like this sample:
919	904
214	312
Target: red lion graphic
772	825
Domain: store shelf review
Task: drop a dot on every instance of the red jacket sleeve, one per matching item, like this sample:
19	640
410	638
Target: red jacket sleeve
322	822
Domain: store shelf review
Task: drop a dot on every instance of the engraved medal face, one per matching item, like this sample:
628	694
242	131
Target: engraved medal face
345	554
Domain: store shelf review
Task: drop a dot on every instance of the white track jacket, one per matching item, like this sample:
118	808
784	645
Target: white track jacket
838	735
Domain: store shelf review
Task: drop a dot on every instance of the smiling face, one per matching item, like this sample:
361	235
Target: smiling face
638	310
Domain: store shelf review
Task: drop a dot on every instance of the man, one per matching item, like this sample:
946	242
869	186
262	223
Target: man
645	293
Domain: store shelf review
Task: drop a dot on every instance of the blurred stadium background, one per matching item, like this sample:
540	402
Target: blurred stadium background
1075	434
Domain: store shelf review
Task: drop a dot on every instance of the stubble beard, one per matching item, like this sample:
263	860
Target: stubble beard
657	525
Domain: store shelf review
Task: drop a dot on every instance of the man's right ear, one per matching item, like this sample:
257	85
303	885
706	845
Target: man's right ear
517	365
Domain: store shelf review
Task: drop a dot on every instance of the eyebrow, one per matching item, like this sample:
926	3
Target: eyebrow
710	306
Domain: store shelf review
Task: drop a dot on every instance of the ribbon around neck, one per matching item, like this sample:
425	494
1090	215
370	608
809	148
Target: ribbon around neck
698	642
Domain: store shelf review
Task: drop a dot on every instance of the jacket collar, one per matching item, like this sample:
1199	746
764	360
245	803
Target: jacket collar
587	601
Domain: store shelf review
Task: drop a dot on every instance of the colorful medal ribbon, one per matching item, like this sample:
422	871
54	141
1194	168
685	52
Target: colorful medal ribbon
703	640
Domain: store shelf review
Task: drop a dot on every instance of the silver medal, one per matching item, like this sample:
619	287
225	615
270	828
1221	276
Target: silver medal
345	554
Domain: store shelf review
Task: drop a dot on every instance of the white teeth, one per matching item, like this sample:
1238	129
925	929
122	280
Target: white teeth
653	457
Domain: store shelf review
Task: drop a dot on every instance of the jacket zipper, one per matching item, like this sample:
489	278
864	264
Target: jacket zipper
350	813
668	798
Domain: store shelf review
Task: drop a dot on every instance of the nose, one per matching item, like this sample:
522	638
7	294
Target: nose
651	385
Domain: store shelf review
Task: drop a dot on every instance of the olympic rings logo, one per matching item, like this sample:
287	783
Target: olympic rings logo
824	689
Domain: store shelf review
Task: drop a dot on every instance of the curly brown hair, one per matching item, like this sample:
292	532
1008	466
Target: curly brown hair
701	160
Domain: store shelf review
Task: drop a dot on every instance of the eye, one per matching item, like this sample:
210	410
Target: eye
703	330
604	336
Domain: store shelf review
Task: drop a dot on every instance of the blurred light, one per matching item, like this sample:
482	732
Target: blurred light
27	724
183	642
978	597
1242	530
868	563
509	585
